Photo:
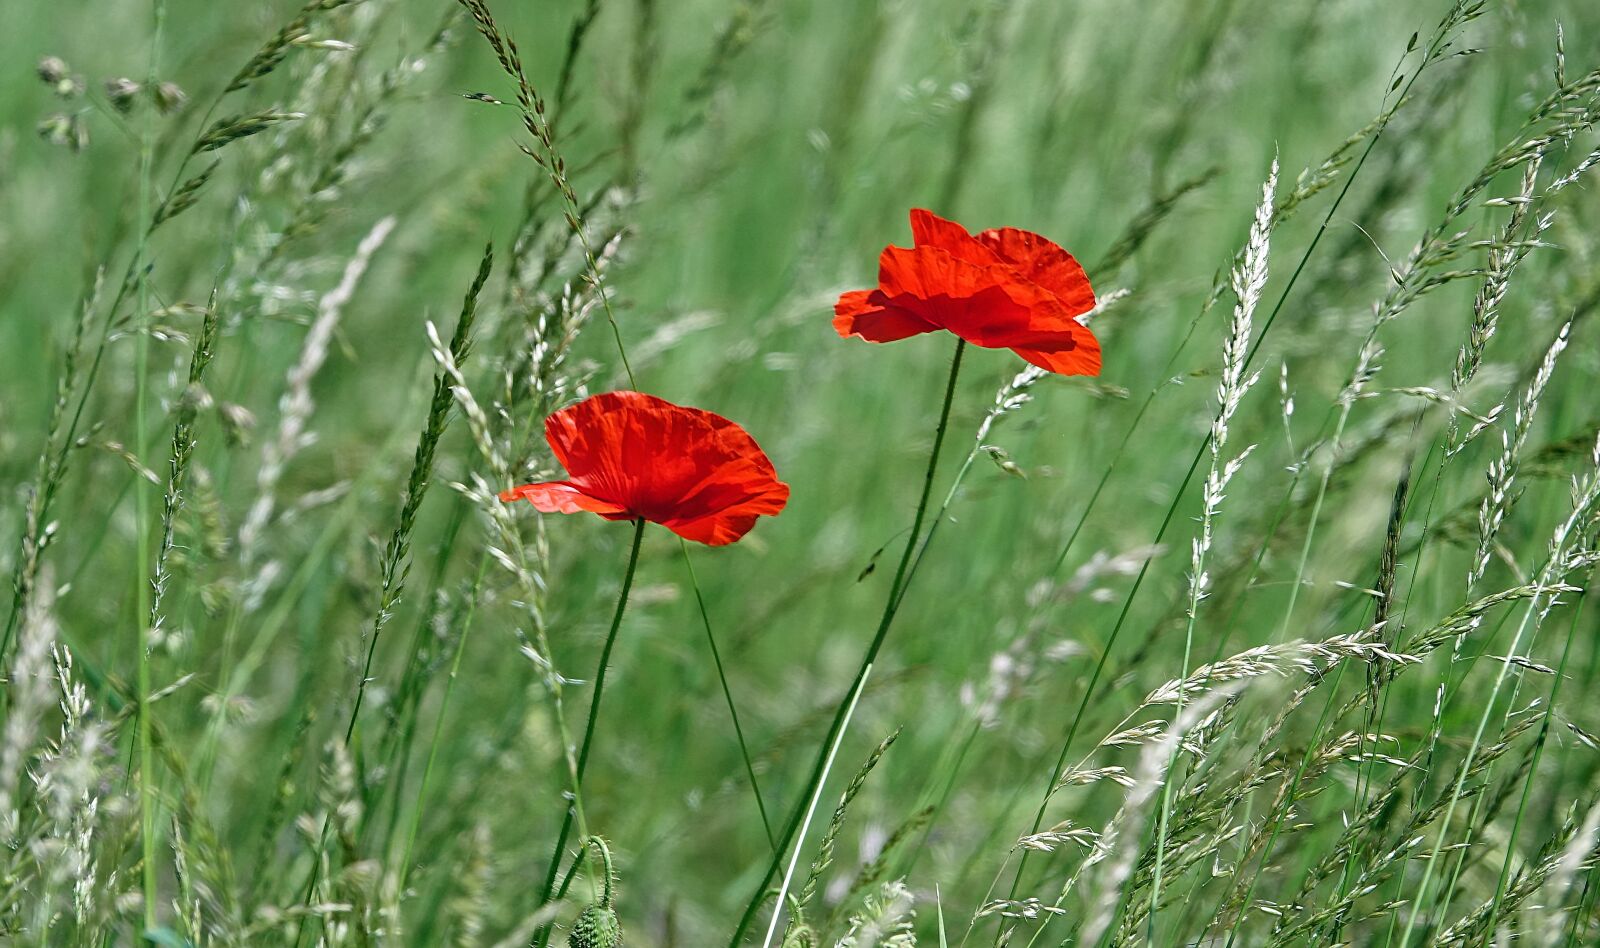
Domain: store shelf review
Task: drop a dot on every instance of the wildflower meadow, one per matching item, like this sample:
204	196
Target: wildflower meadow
800	474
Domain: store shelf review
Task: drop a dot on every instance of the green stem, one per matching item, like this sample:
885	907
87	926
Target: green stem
948	775
733	712
54	468
1533	768
594	712
438	723
1418	901
147	816
1094	678
1283	814
608	872
1172	761
891	607
811	808
403	716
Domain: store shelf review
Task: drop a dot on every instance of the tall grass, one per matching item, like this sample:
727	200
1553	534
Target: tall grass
280	669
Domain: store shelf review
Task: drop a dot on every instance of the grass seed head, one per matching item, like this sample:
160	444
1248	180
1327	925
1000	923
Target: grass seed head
51	69
122	92
169	97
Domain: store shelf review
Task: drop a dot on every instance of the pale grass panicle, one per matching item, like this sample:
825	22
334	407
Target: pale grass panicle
1249	281
885	920
296	405
30	679
1147	781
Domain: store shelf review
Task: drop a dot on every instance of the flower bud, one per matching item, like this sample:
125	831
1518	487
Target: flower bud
596	927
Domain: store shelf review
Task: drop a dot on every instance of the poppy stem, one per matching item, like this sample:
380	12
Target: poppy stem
891	607
594	715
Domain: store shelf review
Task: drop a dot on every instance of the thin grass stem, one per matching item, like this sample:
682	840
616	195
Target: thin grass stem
727	694
891	607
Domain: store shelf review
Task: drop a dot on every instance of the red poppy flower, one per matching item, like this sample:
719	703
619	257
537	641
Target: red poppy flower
1001	289
629	455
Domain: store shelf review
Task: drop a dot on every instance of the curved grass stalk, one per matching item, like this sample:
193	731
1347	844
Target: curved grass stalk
438	723
727	694
816	797
1249	280
396	559
1533	768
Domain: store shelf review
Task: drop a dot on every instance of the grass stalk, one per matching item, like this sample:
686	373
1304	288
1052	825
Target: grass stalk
145	598
891	607
727	694
575	812
419	807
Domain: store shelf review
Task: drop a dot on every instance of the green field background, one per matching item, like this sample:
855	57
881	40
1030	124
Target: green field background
777	148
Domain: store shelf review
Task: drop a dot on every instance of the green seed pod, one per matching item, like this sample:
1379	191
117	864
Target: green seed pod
596	927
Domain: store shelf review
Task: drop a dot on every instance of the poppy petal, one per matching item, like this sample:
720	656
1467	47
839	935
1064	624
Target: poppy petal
1000	289
559	497
1080	360
1045	333
719	530
741	485
977	303
856	314
931	230
928	272
630	455
987	306
1040	261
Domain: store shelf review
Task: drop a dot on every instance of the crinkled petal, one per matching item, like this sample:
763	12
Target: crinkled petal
1040	261
741	484
634	455
979	304
930	230
928	272
858	313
